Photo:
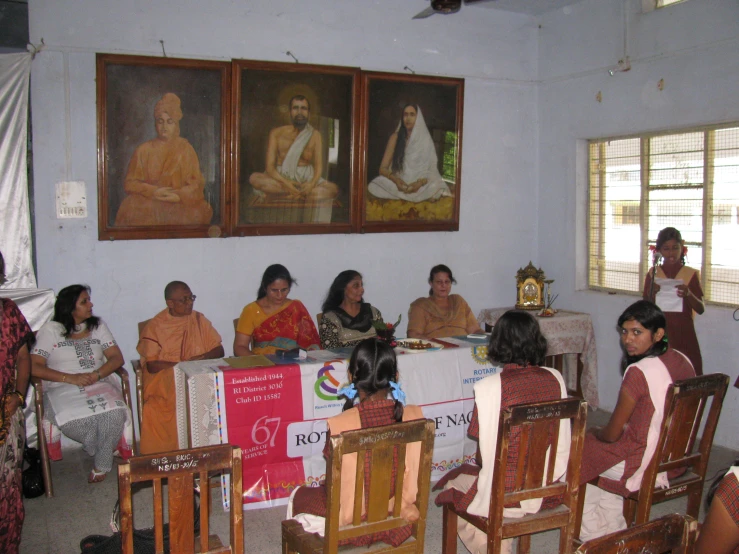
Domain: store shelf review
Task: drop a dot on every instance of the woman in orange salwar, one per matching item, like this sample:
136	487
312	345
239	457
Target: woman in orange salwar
274	322
164	184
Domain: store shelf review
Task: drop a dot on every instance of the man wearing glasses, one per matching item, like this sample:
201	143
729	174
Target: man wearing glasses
176	334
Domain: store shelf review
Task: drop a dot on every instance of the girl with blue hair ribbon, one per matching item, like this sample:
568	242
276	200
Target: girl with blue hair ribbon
373	398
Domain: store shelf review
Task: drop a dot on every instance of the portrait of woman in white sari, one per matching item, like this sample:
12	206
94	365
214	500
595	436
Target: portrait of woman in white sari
409	168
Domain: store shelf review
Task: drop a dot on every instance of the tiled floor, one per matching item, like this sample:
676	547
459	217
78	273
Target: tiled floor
56	525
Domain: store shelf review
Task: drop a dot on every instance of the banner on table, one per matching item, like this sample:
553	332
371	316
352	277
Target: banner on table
260	406
278	415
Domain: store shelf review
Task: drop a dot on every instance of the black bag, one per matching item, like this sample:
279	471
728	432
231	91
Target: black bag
143	542
143	539
33	478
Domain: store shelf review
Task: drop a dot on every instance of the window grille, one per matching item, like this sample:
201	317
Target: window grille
639	185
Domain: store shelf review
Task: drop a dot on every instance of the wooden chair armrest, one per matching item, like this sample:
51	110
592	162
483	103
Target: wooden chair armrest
126	390
122	373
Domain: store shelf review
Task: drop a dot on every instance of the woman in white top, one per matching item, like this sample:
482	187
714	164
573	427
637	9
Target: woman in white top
75	354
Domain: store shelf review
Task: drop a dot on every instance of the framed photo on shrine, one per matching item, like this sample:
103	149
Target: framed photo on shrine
295	148
411	152
163	147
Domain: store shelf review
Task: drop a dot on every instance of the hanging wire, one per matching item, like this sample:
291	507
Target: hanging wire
288	53
409	69
163	52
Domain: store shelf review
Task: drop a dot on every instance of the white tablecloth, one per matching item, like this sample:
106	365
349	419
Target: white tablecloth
566	333
282	442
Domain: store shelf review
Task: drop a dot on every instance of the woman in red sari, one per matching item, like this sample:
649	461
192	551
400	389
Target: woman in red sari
15	372
274	322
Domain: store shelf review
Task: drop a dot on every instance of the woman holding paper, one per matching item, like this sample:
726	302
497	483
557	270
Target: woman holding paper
680	328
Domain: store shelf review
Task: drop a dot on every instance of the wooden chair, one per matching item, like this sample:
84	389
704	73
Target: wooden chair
380	442
673	533
139	373
685	407
536	421
179	469
38	400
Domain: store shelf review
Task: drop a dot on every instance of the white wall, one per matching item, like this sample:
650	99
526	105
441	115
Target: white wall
494	51
692	46
520	146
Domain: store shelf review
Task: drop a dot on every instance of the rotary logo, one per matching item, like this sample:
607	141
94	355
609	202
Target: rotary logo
480	354
326	385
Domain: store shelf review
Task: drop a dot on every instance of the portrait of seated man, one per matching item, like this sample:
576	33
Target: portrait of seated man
176	334
164	184
294	161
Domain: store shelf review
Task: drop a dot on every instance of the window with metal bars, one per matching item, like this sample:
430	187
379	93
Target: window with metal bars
638	185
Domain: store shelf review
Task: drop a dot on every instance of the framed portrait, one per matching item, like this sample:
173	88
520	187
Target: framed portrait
295	135
163	147
412	152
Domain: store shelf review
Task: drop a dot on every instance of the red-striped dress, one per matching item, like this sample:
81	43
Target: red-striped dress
598	456
519	385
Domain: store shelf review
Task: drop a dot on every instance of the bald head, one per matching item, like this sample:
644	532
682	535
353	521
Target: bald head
172	287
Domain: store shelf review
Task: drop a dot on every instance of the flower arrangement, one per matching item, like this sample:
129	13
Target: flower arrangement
386	331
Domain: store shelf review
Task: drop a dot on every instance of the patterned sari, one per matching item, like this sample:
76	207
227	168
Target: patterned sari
14	333
291	327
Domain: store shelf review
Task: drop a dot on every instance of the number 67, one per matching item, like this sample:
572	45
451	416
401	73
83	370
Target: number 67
260	429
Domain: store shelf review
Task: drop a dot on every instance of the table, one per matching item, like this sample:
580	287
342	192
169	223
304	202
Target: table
277	415
566	333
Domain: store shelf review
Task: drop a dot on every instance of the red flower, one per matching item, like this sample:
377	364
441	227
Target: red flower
652	247
389	325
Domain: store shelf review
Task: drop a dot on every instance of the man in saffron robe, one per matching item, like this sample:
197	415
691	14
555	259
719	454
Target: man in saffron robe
294	161
174	335
164	185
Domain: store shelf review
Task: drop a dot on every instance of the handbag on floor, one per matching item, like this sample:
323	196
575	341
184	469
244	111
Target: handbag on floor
32	479
143	539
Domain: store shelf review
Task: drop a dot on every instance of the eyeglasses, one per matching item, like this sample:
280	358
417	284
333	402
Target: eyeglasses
185	299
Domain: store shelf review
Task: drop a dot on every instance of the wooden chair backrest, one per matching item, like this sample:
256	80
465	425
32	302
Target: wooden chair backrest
142	324
380	443
179	468
539	424
686	404
673	533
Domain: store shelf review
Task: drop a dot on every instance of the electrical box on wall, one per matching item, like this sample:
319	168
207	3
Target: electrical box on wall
71	199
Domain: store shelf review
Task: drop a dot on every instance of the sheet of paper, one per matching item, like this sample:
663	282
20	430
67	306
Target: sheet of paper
323	355
667	298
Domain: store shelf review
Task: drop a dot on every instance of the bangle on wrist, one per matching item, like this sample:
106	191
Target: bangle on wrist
64	377
98	372
22	397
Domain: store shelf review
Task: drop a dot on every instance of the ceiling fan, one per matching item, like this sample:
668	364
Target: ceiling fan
444	7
